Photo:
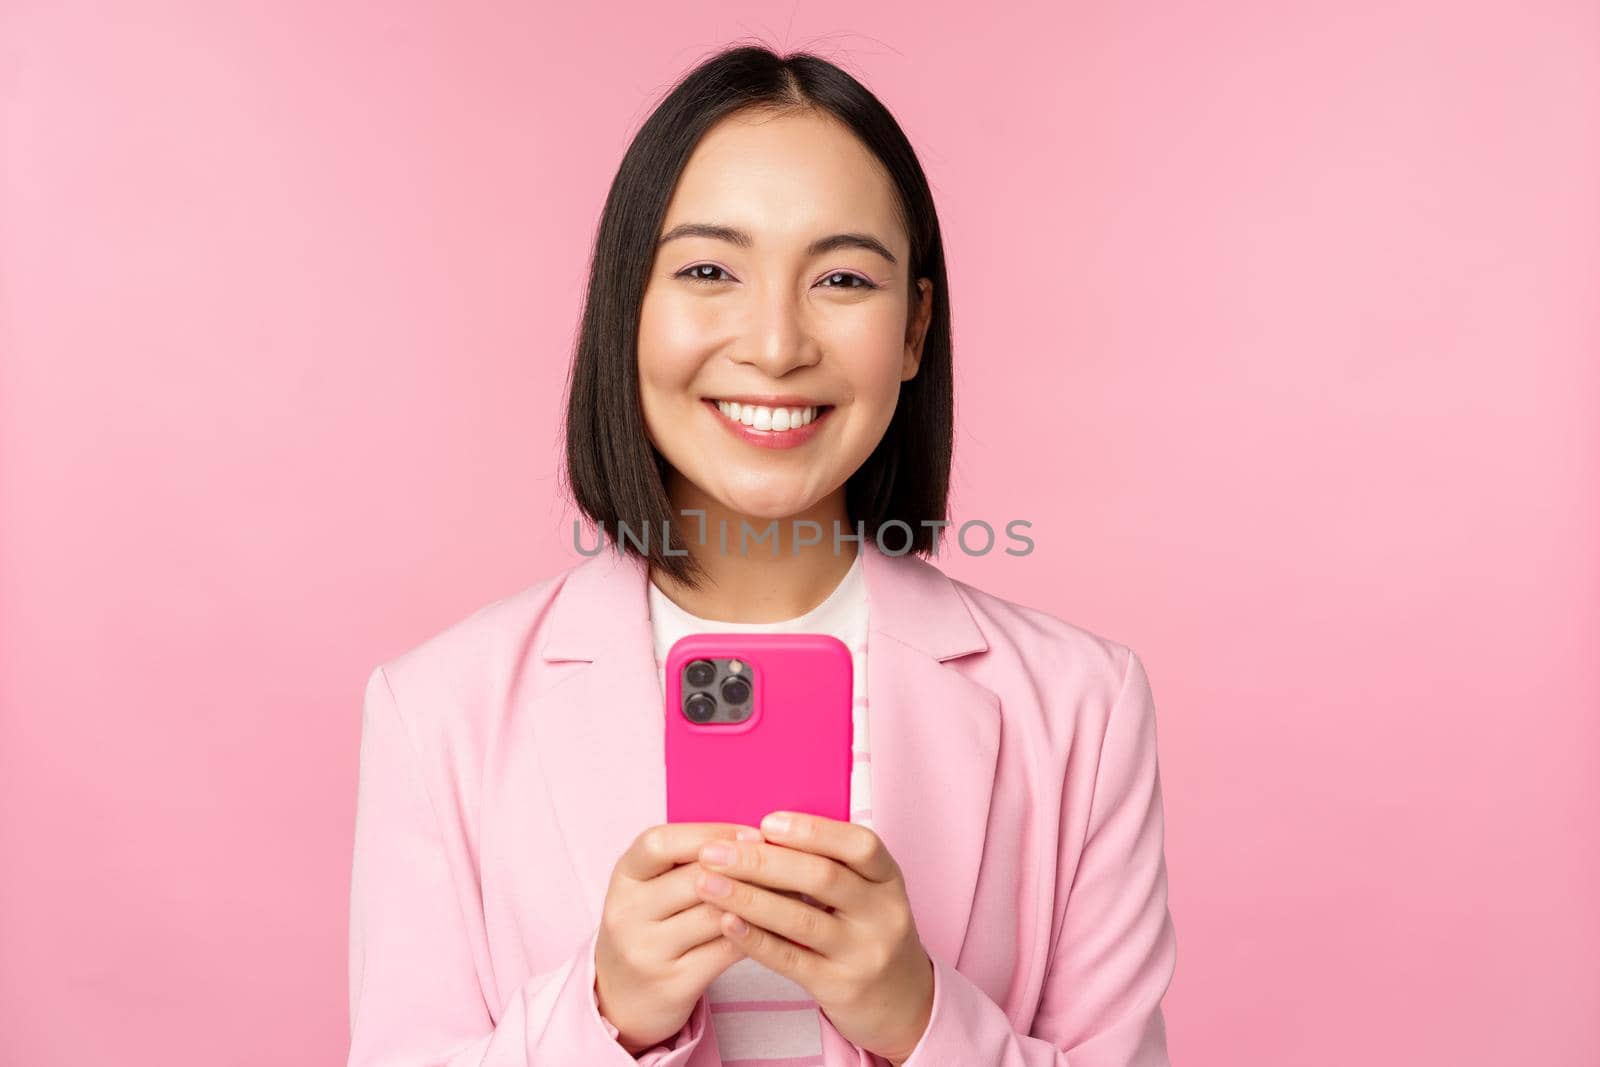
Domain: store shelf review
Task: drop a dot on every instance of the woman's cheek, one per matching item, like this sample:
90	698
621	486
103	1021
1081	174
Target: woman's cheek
686	321
879	380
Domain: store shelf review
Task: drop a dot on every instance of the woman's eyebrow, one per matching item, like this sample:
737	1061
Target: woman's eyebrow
743	240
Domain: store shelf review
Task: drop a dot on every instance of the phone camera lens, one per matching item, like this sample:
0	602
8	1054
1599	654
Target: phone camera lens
700	707
701	673
736	690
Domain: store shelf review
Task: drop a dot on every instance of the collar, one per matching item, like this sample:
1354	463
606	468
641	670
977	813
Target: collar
908	598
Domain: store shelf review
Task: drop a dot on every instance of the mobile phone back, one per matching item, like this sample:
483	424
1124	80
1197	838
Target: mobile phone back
793	753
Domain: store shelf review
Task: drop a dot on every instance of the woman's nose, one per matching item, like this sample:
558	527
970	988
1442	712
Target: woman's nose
780	339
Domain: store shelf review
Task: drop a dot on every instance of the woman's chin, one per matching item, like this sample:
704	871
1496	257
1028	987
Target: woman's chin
760	508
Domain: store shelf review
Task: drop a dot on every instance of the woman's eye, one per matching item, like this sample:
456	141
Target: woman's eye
694	274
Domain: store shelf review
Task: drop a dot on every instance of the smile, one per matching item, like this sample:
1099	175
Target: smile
770	427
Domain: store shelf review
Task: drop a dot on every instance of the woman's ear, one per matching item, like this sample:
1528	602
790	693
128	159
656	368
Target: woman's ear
917	330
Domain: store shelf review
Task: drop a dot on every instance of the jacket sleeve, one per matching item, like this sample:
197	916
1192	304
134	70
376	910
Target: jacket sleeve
415	998
1115	953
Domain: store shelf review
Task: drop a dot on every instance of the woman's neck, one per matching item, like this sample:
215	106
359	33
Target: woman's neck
772	579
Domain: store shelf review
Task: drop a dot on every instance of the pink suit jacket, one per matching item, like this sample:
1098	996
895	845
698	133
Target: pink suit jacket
508	761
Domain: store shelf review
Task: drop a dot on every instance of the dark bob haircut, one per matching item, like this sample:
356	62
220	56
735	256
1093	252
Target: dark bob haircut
613	472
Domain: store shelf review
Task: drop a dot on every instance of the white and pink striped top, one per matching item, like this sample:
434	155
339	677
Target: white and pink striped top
761	1018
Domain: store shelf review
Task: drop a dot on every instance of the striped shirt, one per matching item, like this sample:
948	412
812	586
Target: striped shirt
761	1018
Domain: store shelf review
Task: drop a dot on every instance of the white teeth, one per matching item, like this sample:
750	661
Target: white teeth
772	420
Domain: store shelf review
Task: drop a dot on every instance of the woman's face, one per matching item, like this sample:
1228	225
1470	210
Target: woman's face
758	317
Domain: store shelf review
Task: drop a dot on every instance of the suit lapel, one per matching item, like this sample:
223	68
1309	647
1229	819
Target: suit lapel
935	738
599	734
934	732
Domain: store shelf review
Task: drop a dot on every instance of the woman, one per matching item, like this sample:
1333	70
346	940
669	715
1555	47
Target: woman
765	349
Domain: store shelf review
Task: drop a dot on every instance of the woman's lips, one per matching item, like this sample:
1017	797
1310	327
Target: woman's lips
770	438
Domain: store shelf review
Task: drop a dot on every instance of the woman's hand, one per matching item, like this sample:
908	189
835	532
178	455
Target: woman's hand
858	954
659	947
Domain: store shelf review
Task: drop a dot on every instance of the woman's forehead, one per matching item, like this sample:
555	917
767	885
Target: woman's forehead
785	179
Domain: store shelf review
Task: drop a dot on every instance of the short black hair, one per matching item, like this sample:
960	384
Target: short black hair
613	471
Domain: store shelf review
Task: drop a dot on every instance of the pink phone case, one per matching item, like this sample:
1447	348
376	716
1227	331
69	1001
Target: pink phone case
793	753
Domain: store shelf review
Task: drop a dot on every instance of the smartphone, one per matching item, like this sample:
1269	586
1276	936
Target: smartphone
757	723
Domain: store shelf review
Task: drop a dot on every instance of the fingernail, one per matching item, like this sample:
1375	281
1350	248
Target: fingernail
776	823
718	854
716	885
739	926
748	833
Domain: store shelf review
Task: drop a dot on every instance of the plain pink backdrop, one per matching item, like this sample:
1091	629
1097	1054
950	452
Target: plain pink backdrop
1278	322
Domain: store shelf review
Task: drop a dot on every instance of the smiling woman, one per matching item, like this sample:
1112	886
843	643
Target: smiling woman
766	340
812	289
771	242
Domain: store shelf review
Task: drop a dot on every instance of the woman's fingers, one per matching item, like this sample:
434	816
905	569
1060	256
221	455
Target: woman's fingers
704	962
788	872
692	927
660	848
805	925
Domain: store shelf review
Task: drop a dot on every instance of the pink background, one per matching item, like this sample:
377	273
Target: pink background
1279	325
